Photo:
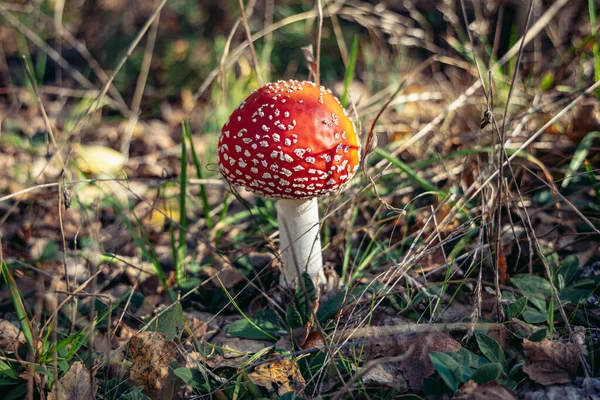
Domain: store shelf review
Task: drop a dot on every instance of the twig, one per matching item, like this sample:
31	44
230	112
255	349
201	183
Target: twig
193	181
319	34
251	43
140	87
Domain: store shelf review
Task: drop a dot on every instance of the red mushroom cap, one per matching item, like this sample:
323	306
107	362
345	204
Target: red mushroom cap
289	139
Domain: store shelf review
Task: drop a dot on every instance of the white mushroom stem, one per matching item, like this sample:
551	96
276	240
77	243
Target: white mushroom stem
299	240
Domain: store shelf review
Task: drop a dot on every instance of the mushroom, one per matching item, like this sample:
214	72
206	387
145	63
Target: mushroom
294	142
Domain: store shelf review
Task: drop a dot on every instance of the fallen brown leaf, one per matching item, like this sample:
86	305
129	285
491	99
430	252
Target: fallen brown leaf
386	374
418	365
76	384
150	355
552	362
9	336
487	391
282	375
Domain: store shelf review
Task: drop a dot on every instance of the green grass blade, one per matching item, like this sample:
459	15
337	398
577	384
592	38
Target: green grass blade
244	316
593	181
412	174
350	71
595	46
579	156
348	244
19	306
181	246
199	175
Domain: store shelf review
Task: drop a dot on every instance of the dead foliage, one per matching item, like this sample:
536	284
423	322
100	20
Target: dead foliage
550	362
281	375
75	384
150	357
486	391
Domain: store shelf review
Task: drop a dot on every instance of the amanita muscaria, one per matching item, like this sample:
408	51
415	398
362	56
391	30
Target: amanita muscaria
294	142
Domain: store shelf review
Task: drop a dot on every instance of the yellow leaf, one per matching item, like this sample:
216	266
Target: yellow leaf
282	374
98	159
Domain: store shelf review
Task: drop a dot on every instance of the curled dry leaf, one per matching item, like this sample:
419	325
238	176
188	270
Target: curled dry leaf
10	336
386	374
281	375
552	362
76	384
487	391
150	355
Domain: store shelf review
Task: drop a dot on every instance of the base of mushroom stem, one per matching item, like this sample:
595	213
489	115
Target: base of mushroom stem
299	240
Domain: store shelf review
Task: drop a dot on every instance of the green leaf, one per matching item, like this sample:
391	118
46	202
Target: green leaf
6	370
331	307
516	309
18	304
491	349
185	374
8	382
16	393
487	373
433	388
569	267
533	316
292	317
303	305
579	156
538	335
256	329
573	295
171	322
448	369
535	288
50	251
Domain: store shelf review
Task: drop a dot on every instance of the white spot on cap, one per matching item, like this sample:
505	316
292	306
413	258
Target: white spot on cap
300	152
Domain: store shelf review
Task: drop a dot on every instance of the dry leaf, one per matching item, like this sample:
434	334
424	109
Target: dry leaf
76	384
418	365
235	347
150	355
487	391
282	375
10	336
98	159
552	362
387	374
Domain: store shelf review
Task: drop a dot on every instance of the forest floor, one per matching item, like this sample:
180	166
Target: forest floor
462	261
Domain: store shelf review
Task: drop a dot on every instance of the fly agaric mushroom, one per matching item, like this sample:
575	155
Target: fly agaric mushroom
291	141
